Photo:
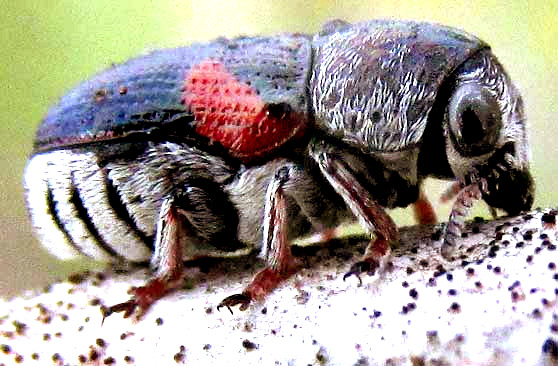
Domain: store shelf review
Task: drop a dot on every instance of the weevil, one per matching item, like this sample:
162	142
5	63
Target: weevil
243	144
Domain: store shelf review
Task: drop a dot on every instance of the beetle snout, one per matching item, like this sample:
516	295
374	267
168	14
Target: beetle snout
510	190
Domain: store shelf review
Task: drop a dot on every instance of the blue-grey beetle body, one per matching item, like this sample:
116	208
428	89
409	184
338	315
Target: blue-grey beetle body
220	148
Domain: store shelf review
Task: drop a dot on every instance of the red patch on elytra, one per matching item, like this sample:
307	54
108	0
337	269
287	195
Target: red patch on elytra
232	113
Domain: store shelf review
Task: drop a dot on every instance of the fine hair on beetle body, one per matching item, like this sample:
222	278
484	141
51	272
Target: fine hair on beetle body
221	148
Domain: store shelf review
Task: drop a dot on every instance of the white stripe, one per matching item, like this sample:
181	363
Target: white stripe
116	233
58	168
35	180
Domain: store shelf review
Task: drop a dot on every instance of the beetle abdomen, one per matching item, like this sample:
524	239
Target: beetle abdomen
106	206
69	198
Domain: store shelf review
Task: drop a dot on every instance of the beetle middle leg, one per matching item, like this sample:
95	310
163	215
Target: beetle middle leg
275	247
368	211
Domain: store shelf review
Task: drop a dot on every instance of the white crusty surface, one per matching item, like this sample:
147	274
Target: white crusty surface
496	305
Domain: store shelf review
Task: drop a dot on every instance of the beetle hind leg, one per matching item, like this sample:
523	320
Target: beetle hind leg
276	246
167	259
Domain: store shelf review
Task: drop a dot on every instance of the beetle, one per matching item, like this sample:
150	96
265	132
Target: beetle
243	144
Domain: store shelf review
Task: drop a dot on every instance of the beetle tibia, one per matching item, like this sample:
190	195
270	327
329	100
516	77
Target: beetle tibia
276	246
367	210
424	211
168	254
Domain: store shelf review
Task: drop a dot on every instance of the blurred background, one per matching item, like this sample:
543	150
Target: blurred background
49	46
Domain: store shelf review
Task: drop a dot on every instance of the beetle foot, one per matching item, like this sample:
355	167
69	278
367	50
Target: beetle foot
127	307
242	299
142	298
263	283
368	267
376	254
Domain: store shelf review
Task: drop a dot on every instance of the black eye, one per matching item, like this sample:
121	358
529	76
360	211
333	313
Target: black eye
475	120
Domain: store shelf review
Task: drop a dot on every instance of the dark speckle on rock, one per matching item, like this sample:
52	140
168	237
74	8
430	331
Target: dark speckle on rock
455	308
56	357
436	236
248	345
6	349
537	313
549	218
550	347
457	294
514	285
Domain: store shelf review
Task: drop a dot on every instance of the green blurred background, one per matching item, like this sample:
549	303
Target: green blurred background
49	46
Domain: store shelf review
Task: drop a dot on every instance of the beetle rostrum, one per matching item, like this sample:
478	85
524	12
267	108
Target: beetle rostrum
220	148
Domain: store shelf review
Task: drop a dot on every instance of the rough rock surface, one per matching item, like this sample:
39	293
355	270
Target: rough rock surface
496	304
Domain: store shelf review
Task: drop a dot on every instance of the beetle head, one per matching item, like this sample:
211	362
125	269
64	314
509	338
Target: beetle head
486	137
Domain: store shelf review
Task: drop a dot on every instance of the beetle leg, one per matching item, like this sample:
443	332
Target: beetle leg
424	211
370	214
169	263
275	248
451	191
456	223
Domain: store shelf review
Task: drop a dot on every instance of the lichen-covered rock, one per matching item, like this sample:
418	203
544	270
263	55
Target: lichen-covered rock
497	304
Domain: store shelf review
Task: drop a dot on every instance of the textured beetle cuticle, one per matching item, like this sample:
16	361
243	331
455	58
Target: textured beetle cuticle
222	148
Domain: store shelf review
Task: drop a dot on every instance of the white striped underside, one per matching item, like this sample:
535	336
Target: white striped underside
65	229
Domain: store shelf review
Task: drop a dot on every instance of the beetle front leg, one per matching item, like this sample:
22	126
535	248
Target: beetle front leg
167	259
370	214
276	246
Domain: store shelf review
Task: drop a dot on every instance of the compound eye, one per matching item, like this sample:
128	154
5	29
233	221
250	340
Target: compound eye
475	120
